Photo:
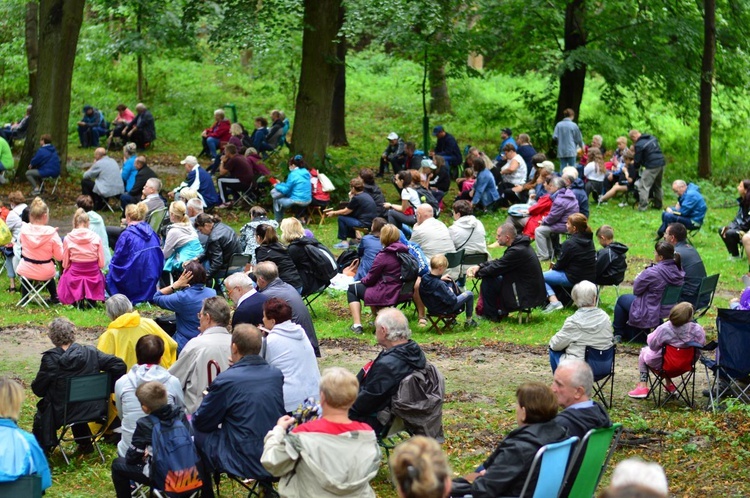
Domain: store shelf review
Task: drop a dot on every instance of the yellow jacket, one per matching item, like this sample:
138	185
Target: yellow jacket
120	337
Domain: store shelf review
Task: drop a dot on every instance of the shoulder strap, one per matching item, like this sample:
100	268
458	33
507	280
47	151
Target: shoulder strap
467	238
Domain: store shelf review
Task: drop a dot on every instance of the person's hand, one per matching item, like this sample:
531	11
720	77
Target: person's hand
668	210
81	123
285	422
204	134
330	214
471	192
471	477
387	205
525	212
183	281
446	278
130	133
170	195
471	272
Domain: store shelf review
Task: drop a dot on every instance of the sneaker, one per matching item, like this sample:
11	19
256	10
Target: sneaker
639	393
470	324
341	245
601	203
557	305
357	329
671	388
35	192
622	204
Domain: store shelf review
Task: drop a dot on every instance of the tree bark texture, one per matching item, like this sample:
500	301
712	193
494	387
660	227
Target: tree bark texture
59	27
32	40
338	110
572	81
312	119
440	99
707	80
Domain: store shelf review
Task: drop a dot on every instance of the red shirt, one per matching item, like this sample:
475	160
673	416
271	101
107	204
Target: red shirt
324	426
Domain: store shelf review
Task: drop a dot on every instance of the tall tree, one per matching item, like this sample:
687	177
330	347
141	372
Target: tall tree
318	75
338	110
59	26
707	82
573	77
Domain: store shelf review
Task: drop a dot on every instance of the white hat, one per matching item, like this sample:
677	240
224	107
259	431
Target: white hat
189	160
392	136
427	163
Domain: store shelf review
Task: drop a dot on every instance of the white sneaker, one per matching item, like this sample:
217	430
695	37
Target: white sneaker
557	305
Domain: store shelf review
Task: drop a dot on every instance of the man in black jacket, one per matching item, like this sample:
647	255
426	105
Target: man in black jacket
141	177
142	129
513	281
573	384
379	380
649	155
447	147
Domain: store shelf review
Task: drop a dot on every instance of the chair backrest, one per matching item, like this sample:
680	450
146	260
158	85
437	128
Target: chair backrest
90	387
474	259
734	341
156	218
590	461
671	295
237	263
601	361
676	361
706	293
454	258
23	487
552	460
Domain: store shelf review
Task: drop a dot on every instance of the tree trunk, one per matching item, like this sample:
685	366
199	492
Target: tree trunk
572	81
338	111
59	27
440	100
707	79
312	119
139	57
32	43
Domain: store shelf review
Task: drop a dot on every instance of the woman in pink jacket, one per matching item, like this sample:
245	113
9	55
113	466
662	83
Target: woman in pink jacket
40	247
82	261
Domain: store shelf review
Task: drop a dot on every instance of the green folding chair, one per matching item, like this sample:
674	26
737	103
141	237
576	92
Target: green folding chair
26	487
590	461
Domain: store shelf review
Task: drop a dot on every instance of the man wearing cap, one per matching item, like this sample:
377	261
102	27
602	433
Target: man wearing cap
447	147
91	126
507	136
568	138
393	155
199	180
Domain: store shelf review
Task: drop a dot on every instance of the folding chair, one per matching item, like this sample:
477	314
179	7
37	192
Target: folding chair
590	461
256	488
33	292
310	297
706	290
313	211
82	389
108	203
677	363
669	297
524	313
248	196
471	260
156	219
731	367
237	263
26	487
599	288
3	257
551	460
393	434
602	363
54	187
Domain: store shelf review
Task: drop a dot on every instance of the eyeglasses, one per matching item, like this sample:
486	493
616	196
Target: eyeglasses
200	315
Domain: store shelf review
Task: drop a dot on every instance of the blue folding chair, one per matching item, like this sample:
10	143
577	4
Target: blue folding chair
552	462
602	363
732	362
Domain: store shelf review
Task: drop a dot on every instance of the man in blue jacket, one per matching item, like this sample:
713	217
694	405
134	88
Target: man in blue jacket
199	180
447	147
690	209
91	126
242	405
44	164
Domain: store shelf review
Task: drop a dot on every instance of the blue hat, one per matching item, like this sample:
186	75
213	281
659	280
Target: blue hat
437	130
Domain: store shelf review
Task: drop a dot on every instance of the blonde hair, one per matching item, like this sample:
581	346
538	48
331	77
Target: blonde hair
38	209
419	468
339	386
389	234
11	398
179	211
438	261
136	212
188	193
291	230
80	218
235	129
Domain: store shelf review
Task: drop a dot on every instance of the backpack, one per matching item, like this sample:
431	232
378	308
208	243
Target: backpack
426	196
5	235
324	265
422	262
409	266
346	258
174	459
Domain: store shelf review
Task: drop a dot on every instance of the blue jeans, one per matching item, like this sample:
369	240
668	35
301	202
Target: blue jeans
465	302
567	161
554	277
667	218
213	145
554	359
282	204
347	224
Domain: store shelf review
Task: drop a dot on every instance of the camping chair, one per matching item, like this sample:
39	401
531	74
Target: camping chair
310	297
602	363
393	434
731	367
551	460
237	263
81	389
256	488
669	297
156	218
54	187
25	486
679	364
707	289
3	257
524	313
471	260
33	291
108	202
312	212
590	461
249	196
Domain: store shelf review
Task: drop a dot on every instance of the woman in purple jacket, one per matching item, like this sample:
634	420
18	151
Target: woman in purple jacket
642	309
382	284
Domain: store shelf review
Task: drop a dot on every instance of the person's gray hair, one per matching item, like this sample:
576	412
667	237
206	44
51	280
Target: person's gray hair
118	305
217	309
239	279
395	324
267	270
195	204
570	173
584	294
581	374
154	183
636	471
61	332
558	182
679	183
140	106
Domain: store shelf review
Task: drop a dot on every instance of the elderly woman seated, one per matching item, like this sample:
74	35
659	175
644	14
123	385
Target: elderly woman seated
588	326
67	359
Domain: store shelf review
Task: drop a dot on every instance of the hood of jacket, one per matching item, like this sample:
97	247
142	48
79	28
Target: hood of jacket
37	236
582	240
466	222
83	236
693	188
396	247
305	241
126	321
140	374
521	241
142	230
668	271
410	353
289	330
186	228
618	248
566	194
576	184
74	358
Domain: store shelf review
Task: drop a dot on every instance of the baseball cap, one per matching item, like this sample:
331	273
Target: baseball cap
393	136
437	130
189	160
507	131
427	163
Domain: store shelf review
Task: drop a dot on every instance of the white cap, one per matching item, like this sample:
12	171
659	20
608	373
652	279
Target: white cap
393	136
427	163
189	160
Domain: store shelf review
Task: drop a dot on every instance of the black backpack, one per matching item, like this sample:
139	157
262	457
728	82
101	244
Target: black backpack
409	266
324	264
174	459
426	196
346	258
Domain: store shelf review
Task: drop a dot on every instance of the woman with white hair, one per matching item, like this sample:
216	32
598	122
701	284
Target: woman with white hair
588	326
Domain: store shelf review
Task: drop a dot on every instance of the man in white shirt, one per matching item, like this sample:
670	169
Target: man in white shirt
432	235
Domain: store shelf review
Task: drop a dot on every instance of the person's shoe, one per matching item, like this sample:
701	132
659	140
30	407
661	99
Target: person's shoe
639	393
622	204
471	323
53	301
35	192
557	305
357	329
341	245
642	209
3	180
670	387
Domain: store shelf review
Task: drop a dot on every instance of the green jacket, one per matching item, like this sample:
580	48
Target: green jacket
6	158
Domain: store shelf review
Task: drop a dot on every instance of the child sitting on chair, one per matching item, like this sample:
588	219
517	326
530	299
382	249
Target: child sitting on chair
440	294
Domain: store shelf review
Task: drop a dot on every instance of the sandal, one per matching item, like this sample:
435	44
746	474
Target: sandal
12	289
422	322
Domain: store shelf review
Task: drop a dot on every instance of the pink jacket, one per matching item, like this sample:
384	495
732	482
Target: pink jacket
81	246
40	243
